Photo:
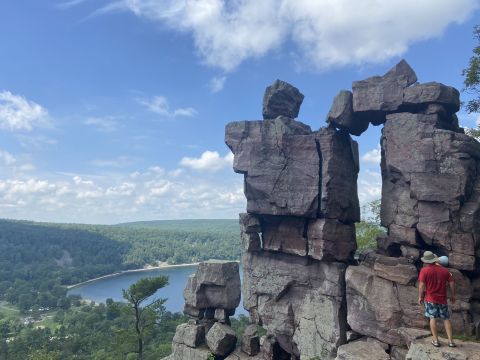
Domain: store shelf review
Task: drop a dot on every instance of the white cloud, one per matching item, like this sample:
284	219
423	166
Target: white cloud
124	189
13	165
18	113
208	161
326	33
112	198
217	83
105	124
373	156
369	186
159	105
118	162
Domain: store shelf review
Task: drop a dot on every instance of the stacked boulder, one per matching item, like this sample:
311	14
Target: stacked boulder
298	233
430	201
211	296
301	282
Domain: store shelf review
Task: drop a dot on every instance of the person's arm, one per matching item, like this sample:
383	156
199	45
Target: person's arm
451	285
421	292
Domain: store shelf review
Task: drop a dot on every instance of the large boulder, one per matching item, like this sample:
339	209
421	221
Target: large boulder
418	97
331	240
216	284
281	99
221	339
238	354
299	301
396	269
291	171
342	117
423	350
430	190
373	306
374	97
183	352
192	335
280	162
381	308
339	169
362	349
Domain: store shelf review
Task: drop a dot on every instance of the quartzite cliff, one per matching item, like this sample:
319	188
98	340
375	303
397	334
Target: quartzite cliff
301	281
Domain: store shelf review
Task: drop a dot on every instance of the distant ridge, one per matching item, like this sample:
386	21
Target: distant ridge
184	224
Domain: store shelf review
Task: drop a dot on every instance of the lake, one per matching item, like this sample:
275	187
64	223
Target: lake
111	287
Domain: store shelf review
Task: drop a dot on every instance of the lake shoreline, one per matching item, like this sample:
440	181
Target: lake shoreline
123	272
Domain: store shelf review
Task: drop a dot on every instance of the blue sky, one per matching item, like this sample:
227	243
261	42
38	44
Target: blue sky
114	110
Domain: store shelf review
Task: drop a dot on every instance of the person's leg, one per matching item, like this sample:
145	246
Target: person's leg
433	329
448	329
445	315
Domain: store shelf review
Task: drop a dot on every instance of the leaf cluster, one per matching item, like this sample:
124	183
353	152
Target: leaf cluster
472	75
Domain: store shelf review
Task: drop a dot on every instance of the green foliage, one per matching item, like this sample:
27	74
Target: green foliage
138	292
144	316
239	324
472	75
369	227
366	235
87	333
475	133
37	260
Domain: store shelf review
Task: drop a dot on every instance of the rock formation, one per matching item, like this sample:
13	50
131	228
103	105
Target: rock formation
299	233
211	296
301	282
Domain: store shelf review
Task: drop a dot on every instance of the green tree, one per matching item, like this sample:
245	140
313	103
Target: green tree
145	316
472	75
369	227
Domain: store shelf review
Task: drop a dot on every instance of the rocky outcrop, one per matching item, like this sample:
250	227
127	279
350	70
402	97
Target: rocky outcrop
211	296
429	186
364	349
298	234
215	286
301	281
300	302
423	350
302	203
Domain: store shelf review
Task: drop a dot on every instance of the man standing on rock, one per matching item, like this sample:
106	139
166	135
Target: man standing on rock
432	291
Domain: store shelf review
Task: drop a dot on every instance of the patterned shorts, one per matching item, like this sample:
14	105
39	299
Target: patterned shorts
437	311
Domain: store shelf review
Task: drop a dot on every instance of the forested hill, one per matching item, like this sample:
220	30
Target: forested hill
212	225
37	258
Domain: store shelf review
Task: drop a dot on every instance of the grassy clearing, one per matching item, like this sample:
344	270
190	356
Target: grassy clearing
8	311
48	321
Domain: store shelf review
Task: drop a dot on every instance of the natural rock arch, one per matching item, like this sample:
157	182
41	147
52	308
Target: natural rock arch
303	238
301	281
